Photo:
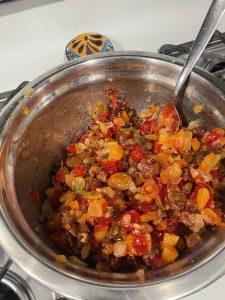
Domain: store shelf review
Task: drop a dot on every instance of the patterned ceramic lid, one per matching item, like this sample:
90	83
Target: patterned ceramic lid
87	43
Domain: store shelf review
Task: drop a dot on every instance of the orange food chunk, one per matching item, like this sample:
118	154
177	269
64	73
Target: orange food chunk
149	216
169	255
120	181
115	151
69	178
195	144
95	208
197	108
209	162
202	198
169	240
100	232
183	141
210	217
172	174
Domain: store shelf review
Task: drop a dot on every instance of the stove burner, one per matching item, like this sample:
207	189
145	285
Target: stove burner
13	287
212	59
6	293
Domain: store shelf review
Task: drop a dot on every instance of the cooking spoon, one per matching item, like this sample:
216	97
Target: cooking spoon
206	32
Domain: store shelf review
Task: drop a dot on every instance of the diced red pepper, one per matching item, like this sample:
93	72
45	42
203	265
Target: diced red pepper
140	244
148	126
79	171
60	176
111	167
157	147
72	149
134	218
102	221
211	137
137	154
167	110
35	197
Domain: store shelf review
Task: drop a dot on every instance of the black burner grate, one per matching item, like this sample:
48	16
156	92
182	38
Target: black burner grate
212	59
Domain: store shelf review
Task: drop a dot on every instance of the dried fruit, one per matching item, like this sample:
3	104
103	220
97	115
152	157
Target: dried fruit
120	181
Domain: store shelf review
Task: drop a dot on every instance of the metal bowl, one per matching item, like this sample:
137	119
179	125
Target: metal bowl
59	104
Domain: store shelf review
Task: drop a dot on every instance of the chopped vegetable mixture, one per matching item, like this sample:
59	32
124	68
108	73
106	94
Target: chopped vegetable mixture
135	191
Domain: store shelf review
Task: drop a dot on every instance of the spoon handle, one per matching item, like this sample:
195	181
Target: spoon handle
207	30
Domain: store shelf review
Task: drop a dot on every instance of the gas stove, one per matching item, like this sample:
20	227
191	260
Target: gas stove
16	285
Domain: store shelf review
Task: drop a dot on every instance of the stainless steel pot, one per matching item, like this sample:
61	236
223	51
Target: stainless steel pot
59	103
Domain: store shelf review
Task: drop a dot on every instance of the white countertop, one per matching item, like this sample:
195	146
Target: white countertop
33	41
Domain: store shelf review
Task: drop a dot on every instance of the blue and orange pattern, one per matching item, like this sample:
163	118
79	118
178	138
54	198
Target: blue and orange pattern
86	44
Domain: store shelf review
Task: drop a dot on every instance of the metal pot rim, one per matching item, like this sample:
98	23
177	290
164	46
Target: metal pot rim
41	268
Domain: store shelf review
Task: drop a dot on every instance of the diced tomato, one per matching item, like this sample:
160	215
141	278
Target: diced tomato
211	138
128	219
72	149
35	197
217	174
167	110
140	244
111	167
148	126
102	221
137	154
60	176
79	171
170	119
102	116
157	147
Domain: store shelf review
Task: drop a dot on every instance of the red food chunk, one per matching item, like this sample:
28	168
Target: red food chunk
71	149
60	176
128	219
79	171
157	147
211	138
102	221
140	244
148	126
102	116
137	154
111	167
35	197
